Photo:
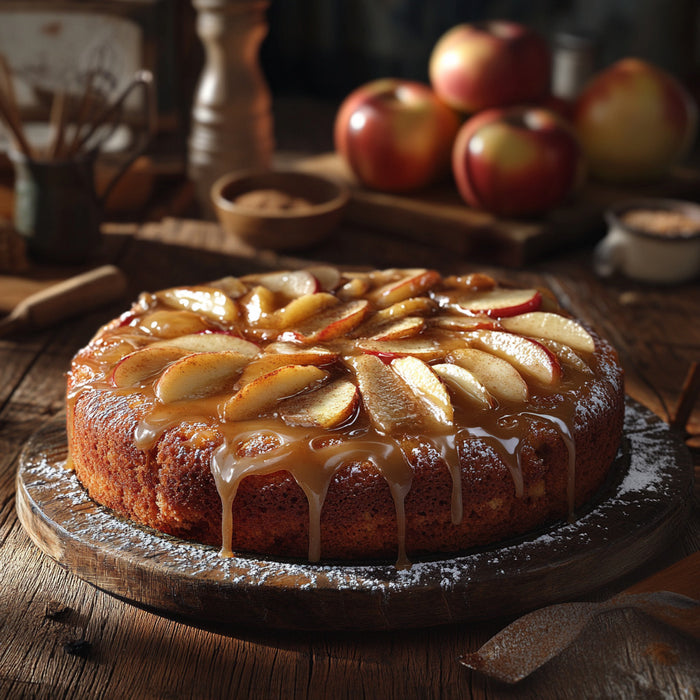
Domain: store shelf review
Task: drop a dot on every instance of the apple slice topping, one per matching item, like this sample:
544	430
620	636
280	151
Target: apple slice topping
500	378
542	324
566	355
199	375
475	281
290	284
464	384
413	306
230	285
421	379
354	288
409	285
257	304
400	328
495	303
264	392
211	342
302	354
328	277
141	365
276	355
391	405
326	407
528	356
423	348
207	301
300	309
463	324
333	323
172	324
111	350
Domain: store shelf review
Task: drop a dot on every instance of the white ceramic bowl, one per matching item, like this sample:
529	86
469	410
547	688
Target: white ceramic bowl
651	240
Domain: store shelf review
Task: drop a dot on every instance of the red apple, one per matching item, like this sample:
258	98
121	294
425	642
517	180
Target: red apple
634	122
395	135
491	64
516	162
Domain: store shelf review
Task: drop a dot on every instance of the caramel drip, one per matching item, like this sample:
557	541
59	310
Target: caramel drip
508	449
446	446
312	468
162	417
568	438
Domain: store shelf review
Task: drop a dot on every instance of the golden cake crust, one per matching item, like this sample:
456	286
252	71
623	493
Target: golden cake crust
168	483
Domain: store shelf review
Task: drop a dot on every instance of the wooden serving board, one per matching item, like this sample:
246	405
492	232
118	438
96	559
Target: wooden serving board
439	216
638	513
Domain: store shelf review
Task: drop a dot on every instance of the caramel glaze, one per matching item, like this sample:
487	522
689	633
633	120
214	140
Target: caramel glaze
313	455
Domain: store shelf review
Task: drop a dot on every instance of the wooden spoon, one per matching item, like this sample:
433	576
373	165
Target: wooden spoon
532	640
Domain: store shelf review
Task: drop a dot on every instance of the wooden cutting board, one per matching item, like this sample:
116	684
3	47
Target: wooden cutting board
439	216
634	518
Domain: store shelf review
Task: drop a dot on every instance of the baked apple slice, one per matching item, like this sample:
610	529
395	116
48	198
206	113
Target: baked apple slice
543	324
500	378
257	304
301	309
392	407
171	324
328	277
141	365
406	327
424	348
199	375
527	355
230	285
566	355
411	283
265	391
413	306
354	288
463	324
473	282
290	284
283	354
421	379
207	301
211	342
464	384
500	302
335	322
326	407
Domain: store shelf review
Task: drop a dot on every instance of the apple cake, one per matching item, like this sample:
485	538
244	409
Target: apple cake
328	414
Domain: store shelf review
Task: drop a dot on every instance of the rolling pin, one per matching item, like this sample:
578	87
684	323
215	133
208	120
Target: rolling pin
60	301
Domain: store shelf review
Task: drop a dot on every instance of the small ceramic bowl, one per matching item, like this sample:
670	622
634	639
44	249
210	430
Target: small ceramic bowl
651	240
278	210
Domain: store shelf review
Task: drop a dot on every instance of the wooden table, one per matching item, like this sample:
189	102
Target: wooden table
62	637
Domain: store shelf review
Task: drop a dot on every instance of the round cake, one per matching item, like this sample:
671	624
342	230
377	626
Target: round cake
340	415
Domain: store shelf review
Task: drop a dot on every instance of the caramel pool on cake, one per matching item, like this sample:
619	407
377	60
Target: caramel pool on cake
345	415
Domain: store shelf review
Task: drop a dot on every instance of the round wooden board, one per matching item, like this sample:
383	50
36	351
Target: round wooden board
639	511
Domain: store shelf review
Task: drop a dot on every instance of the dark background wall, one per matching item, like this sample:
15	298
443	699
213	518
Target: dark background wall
327	47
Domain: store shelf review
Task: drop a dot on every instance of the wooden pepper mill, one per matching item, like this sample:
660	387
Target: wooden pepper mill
231	117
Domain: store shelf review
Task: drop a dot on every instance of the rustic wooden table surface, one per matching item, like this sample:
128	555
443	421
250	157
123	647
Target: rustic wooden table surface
61	637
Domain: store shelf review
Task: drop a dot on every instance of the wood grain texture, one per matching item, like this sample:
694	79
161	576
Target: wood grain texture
64	638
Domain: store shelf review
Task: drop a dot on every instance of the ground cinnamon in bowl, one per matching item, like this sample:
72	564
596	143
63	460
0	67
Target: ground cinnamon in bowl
272	200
